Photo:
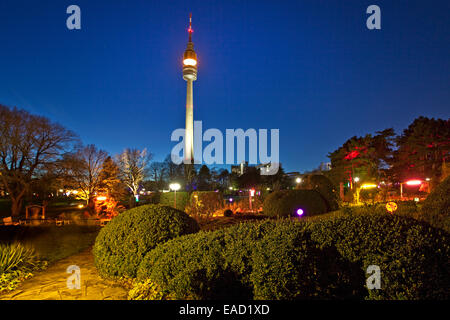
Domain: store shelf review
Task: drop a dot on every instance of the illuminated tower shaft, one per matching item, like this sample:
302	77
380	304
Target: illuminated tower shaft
189	138
190	75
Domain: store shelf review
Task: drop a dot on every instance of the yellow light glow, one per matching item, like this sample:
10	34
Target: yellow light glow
101	198
368	186
80	206
414	182
189	62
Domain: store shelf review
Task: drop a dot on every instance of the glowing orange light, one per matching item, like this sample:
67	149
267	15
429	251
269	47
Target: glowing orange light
189	62
391	206
414	182
101	198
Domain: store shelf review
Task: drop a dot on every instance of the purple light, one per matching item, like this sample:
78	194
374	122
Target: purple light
300	212
231	199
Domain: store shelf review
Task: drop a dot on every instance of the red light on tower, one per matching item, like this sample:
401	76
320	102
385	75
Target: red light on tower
190	30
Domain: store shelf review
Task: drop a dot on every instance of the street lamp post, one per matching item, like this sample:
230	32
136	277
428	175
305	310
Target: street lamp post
251	194
401	190
175	187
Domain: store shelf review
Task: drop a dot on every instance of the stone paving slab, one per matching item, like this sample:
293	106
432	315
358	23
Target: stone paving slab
51	284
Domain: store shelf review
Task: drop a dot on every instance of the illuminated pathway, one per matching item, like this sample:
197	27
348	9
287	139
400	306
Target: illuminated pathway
50	284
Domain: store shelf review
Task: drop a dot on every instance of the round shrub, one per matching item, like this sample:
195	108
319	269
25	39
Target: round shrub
412	255
285	203
436	207
324	186
122	244
228	213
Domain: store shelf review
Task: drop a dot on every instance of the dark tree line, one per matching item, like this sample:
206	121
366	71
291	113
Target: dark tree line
421	151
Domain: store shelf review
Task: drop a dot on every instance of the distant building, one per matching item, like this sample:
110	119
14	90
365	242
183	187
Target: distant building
243	167
240	169
325	166
293	175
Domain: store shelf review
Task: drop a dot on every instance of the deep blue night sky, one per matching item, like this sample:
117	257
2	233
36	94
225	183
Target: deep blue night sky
310	68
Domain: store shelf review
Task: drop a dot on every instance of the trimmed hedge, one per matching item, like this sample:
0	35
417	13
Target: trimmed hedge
122	244
206	265
288	265
413	256
285	203
436	207
168	199
298	260
404	208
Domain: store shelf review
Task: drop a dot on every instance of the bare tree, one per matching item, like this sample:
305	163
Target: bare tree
83	172
29	146
133	167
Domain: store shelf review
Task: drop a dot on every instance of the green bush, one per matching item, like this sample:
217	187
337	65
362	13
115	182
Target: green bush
436	207
16	264
9	281
404	208
413	256
288	265
15	256
303	260
168	199
146	290
122	244
286	202
324	186
206	265
268	260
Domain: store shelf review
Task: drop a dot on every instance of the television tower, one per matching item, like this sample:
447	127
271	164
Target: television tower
190	75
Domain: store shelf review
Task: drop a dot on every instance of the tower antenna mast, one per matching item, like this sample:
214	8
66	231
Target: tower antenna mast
190	30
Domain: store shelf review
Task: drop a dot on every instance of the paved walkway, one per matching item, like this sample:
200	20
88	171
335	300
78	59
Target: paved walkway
51	284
